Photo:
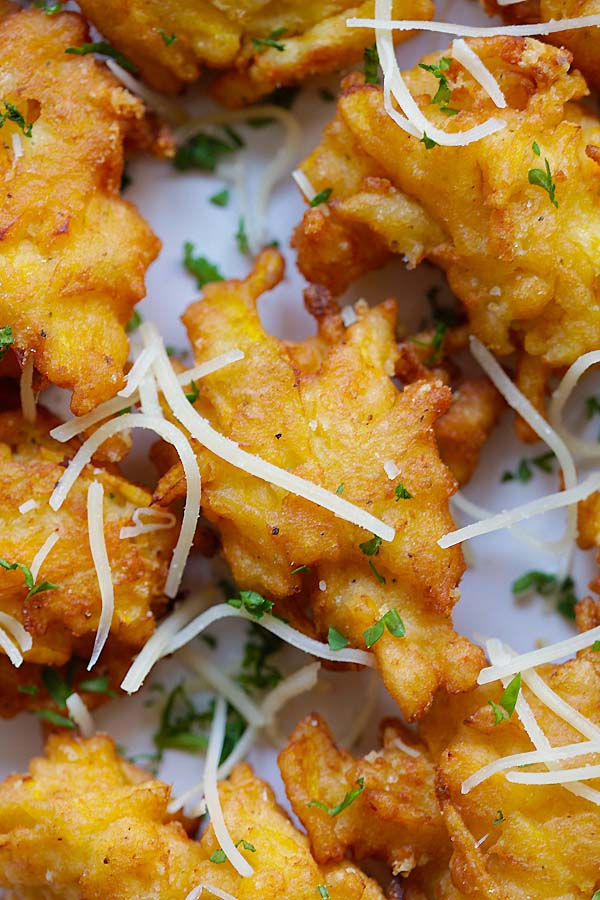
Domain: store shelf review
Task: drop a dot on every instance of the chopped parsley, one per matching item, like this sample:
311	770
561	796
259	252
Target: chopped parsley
29	582
390	620
596	895
50	7
253	603
203	271
401	493
371	548
371	64
99	685
547	585
246	845
48	715
30	689
380	578
326	95
322	197
203	151
257	671
6	340
444	92
324	893
241	237
134	322
428	142
167	39
300	569
596	646
499	818
57	687
12	114
543	177
221	198
508	701
218	856
194	393
524	473
343	804
340	488
104	49
271	40
336	640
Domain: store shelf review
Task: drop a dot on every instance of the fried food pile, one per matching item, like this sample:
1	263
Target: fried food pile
63	620
499	840
327	410
86	822
261	46
73	254
472	210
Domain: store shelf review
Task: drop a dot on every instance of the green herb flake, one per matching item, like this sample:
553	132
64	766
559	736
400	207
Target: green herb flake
6	340
428	142
12	114
271	40
371	64
322	197
54	718
536	148
134	322
499	818
524	471
257	672
401	493
592	407
336	640
41	587
167	39
241	237
596	895
203	151
24	569
596	646
444	92
390	620
221	198
194	393
300	569
104	49
57	687
30	689
182	726
340	488
218	856
324	893
547	585
246	845
99	685
380	578
203	271
508	701
344	804
371	548
543	178
49	7
253	603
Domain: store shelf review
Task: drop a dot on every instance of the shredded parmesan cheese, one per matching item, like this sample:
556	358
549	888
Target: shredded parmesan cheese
463	54
391	469
168	110
14	655
95	511
223	685
159	520
205	886
585	449
558	776
349	316
386	24
211	791
80	714
28	506
26	390
410	751
149	402
18	632
297	683
17	146
232	453
533	658
43	553
136	374
478	512
304	184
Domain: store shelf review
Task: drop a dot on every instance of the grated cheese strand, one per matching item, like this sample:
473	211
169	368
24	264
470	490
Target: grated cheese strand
552	26
80	714
560	707
28	405
463	54
223	685
42	554
14	655
148	393
232	453
205	886
585	449
18	632
274	625
169	110
17	147
297	683
95	516
28	506
141	366
172	435
211	791
534	508
163	520
534	658
478	512
410	751
558	776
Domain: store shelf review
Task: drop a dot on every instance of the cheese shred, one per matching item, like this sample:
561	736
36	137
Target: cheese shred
95	512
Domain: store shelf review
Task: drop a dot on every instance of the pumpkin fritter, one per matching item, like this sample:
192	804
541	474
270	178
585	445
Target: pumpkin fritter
73	254
328	410
525	273
62	621
262	46
85	822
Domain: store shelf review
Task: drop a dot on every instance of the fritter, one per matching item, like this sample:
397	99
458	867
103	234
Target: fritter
472	209
328	410
73	254
514	840
262	46
88	823
395	818
583	43
63	620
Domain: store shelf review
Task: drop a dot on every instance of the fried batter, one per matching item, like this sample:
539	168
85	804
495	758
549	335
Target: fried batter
73	255
263	45
87	823
63	621
328	410
472	209
395	818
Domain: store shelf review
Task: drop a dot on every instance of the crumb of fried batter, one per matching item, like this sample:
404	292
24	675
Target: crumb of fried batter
91	824
268	403
471	209
63	621
73	254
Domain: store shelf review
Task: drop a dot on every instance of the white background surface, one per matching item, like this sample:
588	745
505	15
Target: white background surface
177	206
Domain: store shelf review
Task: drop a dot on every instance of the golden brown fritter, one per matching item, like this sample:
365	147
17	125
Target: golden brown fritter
328	410
471	209
73	255
540	842
87	823
172	40
583	43
395	818
63	622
